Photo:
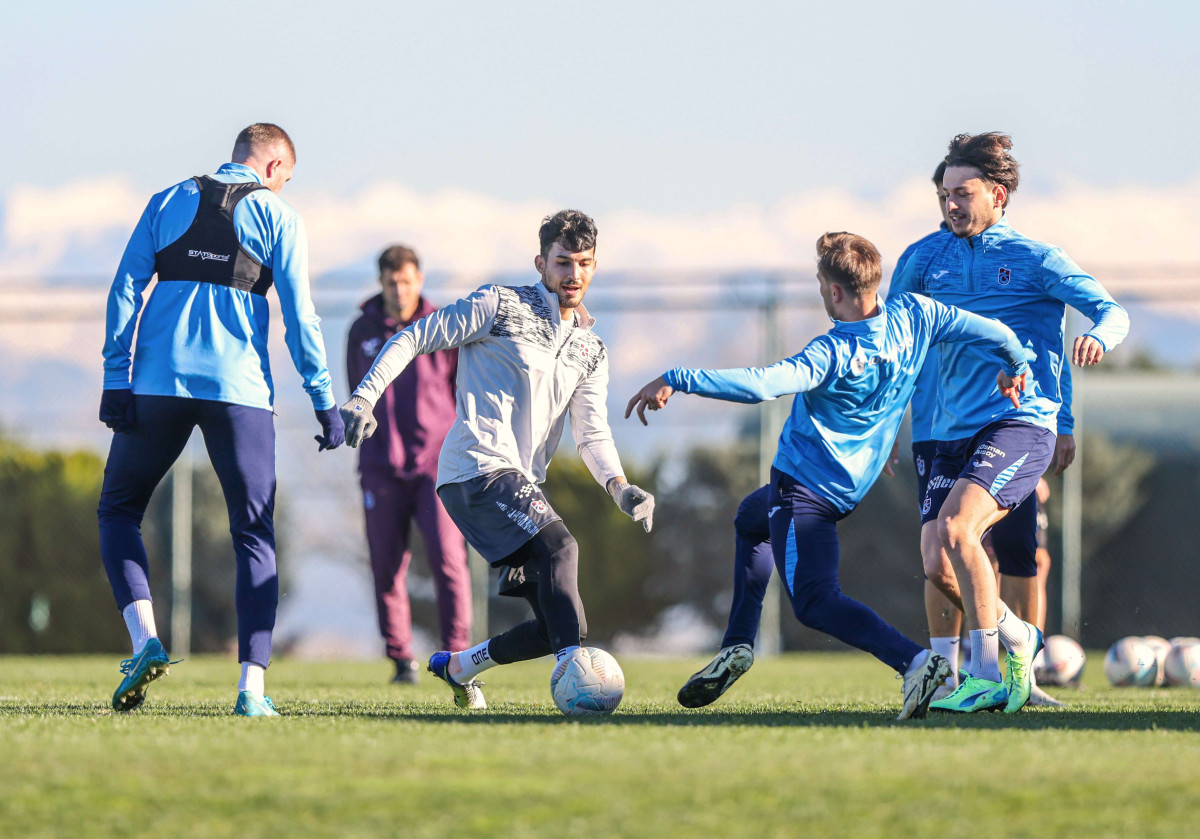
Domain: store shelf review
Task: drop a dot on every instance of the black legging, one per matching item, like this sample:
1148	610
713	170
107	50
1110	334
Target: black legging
559	621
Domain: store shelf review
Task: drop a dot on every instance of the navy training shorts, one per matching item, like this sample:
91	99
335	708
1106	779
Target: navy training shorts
1006	458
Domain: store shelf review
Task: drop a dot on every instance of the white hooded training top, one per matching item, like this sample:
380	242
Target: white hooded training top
521	369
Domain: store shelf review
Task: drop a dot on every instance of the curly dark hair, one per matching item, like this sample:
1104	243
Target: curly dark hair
575	230
850	261
989	153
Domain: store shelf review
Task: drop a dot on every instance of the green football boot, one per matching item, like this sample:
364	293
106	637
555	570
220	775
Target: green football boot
249	705
972	695
151	663
1018	675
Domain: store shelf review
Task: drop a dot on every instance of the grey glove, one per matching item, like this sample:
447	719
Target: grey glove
360	421
634	502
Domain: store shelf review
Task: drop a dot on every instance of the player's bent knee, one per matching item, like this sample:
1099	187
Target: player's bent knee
954	531
557	541
814	609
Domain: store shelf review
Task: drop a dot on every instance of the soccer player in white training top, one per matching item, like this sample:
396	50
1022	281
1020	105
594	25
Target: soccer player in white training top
527	358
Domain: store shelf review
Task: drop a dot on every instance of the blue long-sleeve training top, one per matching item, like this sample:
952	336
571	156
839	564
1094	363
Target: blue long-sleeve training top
1027	284
206	341
924	400
853	384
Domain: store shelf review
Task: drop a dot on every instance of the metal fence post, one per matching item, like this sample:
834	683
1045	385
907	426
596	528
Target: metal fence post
181	553
770	632
1072	511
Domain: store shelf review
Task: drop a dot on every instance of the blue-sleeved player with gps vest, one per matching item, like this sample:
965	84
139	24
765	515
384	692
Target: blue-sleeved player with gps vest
990	456
217	243
852	387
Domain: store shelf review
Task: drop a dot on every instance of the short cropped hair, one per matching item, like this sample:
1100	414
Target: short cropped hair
574	230
989	153
939	174
261	135
396	257
850	261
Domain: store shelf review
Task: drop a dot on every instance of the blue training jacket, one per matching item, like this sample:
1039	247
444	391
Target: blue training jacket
853	384
1002	274
924	400
206	341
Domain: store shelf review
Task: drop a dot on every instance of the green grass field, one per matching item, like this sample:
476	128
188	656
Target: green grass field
804	745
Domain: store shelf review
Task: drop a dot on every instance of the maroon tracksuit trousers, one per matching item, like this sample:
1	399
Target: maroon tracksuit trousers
391	505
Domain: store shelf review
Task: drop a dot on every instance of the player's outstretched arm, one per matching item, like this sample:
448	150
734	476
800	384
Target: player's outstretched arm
462	322
653	396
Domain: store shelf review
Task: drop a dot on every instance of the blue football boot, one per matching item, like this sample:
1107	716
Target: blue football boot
249	705
150	664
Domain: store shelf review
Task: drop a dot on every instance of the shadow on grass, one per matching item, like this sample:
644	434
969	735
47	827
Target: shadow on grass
1098	719
1066	721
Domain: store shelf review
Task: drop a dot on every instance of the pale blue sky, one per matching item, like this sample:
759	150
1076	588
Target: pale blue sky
659	106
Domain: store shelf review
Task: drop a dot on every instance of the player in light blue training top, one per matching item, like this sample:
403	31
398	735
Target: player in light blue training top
1014	539
853	385
216	243
992	454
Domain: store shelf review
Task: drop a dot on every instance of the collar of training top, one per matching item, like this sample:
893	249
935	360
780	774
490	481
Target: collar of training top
239	169
998	231
865	326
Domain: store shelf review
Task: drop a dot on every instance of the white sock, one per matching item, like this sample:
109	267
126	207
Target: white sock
139	619
254	677
473	662
1014	632
947	647
565	652
985	654
918	662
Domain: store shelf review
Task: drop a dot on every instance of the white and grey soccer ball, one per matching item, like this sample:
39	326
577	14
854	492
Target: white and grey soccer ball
1180	640
1183	664
587	683
1131	662
1062	662
1161	647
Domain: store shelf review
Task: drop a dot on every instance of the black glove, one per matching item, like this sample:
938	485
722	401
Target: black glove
117	410
360	421
333	431
634	502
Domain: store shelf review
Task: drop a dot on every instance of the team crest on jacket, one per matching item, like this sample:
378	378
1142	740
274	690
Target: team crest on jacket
585	351
1005	276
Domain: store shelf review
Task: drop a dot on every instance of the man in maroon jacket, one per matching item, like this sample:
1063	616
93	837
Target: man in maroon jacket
398	466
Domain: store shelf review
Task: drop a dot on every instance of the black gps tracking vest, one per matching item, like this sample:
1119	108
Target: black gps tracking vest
209	252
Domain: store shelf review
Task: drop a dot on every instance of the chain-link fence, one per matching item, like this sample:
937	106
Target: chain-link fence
1139	452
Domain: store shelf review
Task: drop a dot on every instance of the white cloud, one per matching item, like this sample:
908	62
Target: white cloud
83	226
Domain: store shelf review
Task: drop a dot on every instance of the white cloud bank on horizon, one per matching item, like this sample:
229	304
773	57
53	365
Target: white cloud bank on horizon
81	228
